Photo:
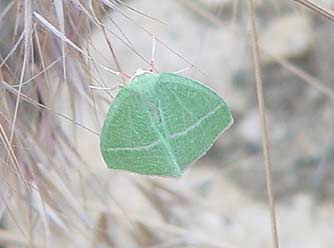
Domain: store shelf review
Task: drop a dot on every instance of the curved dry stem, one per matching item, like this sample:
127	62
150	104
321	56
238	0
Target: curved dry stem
329	14
264	125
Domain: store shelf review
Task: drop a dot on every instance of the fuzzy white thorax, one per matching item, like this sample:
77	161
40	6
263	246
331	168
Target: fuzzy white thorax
140	72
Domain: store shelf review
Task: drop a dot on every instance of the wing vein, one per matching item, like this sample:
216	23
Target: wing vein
200	120
137	148
185	108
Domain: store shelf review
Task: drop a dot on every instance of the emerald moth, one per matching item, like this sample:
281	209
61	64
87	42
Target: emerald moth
160	123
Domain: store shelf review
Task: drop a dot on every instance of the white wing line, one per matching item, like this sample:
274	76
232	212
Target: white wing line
138	148
200	120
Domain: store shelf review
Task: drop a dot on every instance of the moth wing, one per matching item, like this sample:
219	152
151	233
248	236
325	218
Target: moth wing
193	116
129	141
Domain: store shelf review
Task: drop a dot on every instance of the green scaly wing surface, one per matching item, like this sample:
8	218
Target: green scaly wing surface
161	123
193	114
129	139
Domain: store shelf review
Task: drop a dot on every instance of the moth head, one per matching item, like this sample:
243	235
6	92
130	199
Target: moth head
140	72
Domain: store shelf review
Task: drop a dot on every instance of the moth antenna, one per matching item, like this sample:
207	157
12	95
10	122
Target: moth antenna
182	70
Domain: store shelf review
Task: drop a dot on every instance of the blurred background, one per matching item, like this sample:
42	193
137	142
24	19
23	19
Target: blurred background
55	58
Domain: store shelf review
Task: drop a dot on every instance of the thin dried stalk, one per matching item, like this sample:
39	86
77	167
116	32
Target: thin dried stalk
306	77
31	137
264	125
27	44
329	14
295	69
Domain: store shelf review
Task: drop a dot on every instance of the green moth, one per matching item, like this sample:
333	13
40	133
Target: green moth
160	123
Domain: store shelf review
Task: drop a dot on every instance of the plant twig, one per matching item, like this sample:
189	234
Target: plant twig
265	134
303	75
27	43
296	70
329	14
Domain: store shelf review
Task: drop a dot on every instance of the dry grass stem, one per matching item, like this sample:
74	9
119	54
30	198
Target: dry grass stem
264	125
329	14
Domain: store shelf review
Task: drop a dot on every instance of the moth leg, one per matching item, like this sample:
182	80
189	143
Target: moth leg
118	73
152	54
